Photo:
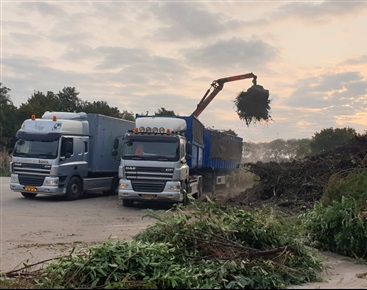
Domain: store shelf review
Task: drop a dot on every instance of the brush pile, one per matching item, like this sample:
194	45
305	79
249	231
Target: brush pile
253	105
296	185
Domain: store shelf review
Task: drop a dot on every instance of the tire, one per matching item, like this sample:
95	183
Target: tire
74	189
127	203
29	194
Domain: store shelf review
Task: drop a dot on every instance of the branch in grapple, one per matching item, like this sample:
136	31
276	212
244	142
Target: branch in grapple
253	105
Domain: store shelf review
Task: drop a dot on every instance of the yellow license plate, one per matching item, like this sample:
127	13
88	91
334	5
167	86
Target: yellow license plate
30	188
149	195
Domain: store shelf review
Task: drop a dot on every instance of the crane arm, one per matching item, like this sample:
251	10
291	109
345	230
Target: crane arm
217	86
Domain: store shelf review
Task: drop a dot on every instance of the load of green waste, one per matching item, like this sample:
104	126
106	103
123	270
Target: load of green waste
253	105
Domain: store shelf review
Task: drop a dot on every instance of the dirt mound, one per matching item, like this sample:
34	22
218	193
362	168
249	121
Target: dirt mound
296	185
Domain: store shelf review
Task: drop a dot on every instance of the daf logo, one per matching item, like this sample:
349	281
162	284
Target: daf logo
169	169
130	167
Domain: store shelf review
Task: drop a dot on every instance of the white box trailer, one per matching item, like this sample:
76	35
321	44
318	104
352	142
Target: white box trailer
68	154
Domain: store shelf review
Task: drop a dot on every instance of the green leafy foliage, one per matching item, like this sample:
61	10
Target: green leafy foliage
201	246
351	183
339	227
253	105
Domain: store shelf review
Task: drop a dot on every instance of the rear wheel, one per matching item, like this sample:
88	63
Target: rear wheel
74	189
29	194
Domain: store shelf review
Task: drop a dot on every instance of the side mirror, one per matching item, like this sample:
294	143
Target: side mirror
10	151
114	153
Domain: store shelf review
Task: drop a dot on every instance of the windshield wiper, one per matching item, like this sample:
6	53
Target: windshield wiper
46	156
20	154
161	158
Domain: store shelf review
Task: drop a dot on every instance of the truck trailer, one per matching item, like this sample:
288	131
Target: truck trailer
166	159
66	154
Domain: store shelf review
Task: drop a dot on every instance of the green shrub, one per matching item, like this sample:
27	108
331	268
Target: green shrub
339	227
4	163
201	246
352	184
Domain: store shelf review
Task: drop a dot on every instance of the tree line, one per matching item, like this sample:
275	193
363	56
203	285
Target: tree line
68	100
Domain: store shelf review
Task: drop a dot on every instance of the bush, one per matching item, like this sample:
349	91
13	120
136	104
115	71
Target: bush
340	227
352	184
202	246
4	163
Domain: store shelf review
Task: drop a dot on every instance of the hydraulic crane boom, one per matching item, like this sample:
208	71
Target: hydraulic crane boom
217	85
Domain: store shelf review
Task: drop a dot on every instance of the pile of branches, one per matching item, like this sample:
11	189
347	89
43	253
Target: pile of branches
203	246
296	185
253	105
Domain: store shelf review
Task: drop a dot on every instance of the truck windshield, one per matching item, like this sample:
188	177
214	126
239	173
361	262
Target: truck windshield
36	149
149	150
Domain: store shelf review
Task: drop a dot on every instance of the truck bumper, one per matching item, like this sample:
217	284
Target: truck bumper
50	186
170	193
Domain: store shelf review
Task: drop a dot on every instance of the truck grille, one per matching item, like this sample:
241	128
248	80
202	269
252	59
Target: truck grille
151	173
30	180
148	179
31	173
148	185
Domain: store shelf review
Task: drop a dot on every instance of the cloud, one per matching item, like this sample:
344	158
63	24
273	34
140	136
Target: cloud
187	21
317	12
232	54
328	91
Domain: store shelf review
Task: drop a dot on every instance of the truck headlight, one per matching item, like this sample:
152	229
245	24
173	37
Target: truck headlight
123	185
14	178
51	181
174	187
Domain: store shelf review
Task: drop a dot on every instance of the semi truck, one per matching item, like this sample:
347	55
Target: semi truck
166	159
169	158
66	154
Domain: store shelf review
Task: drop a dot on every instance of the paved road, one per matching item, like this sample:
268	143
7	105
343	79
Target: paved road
32	230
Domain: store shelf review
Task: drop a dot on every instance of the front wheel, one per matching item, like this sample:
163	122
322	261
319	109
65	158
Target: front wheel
74	189
29	194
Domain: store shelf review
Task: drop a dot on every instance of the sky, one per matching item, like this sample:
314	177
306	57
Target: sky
141	56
